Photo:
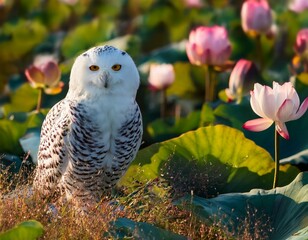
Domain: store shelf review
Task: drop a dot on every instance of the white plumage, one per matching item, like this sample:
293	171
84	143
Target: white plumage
90	137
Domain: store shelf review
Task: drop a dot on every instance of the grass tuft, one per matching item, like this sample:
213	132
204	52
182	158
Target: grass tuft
151	203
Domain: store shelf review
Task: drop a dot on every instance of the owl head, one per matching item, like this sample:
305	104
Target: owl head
104	70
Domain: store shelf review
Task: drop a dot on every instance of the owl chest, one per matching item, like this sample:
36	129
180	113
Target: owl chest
109	118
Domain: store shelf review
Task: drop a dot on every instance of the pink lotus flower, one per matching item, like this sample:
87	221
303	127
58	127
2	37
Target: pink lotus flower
256	17
2	3
161	76
208	45
279	105
298	5
238	79
301	45
45	75
70	2
193	3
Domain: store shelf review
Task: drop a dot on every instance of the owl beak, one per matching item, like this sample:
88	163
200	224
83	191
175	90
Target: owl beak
105	79
106	84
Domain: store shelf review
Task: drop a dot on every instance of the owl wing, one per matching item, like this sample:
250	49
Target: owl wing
127	143
52	150
69	153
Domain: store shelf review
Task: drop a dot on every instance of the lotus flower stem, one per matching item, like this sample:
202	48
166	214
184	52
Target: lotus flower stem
207	92
259	51
39	99
306	67
163	106
276	178
177	113
213	83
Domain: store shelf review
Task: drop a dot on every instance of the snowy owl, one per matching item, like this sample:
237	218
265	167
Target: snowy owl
90	137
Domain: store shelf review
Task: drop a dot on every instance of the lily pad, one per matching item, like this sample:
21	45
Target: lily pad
124	228
208	161
17	100
26	230
275	214
30	143
10	132
299	160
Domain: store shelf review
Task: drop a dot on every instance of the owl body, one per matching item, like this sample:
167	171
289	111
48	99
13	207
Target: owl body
90	137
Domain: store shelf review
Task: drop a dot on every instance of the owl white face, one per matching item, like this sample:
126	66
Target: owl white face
104	70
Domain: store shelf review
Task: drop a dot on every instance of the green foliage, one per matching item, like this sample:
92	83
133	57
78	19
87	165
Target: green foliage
19	38
86	36
12	130
187	84
274	214
29	230
52	20
202	150
24	99
161	129
208	161
16	40
124	228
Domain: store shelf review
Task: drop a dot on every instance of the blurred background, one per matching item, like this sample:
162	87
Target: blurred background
151	31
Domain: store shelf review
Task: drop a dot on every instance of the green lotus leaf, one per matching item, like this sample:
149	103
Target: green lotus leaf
298	159
24	231
124	227
275	214
52	20
22	36
161	129
85	36
189	82
303	77
30	143
10	132
128	43
208	161
17	100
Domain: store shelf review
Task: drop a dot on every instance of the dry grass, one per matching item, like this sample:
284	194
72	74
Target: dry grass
145	204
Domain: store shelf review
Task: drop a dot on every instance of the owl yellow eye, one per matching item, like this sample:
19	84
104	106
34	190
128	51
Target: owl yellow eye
94	67
116	67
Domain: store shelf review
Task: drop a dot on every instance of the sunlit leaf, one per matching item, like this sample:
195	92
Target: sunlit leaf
24	99
188	81
303	77
207	115
29	230
24	35
275	214
207	161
